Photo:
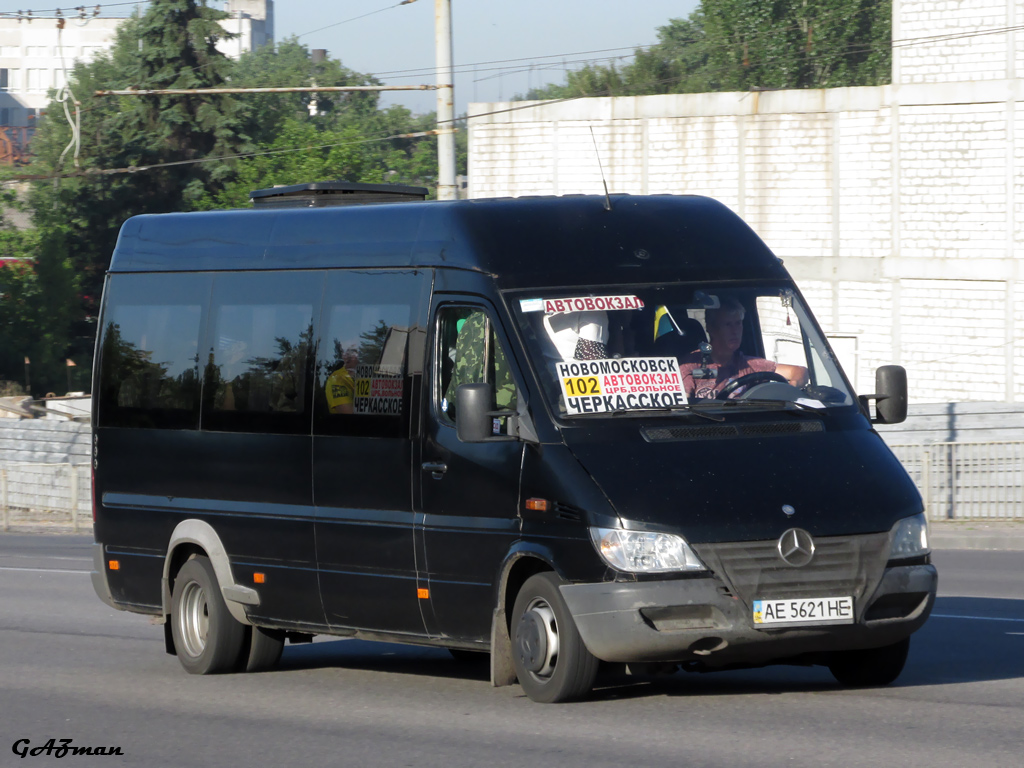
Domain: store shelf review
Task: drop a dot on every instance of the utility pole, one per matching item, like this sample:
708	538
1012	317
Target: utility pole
446	189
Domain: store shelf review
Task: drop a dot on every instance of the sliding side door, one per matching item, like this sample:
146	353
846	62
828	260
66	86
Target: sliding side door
369	363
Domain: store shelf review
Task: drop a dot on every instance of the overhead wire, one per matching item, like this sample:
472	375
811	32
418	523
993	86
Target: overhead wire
219	158
750	38
853	48
32	15
355	18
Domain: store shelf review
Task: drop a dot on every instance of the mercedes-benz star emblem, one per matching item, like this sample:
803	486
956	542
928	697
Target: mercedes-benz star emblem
788	510
796	547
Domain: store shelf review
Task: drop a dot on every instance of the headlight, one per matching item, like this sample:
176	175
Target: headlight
638	552
910	537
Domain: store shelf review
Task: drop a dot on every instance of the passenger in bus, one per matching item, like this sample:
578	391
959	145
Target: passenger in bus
479	358
706	374
341	387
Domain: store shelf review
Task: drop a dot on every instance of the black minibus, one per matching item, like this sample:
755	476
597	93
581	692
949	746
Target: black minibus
559	431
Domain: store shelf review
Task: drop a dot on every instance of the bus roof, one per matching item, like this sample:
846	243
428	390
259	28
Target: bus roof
527	241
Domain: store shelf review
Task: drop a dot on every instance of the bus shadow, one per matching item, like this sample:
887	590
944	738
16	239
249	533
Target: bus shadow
394	658
966	640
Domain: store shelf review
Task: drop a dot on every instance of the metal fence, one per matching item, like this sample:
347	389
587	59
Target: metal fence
968	481
46	495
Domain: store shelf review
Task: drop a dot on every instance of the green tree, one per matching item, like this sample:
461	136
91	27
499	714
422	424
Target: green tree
799	43
736	45
291	64
352	121
38	308
327	154
172	45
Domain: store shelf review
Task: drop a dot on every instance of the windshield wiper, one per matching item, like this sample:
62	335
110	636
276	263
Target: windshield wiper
784	404
697	411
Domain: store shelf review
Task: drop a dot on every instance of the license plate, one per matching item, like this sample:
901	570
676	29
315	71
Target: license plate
813	610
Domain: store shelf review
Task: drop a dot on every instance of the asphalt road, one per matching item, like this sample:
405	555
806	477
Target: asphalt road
72	668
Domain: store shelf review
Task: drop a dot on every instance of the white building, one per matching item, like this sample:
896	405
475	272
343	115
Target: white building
34	58
252	21
899	209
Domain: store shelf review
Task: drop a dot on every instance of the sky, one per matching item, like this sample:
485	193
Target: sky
548	35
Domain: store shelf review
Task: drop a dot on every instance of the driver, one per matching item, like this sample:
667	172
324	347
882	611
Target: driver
704	379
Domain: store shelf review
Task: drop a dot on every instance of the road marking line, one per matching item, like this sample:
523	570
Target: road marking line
44	570
974	618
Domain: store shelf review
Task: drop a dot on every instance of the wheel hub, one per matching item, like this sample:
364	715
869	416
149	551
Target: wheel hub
532	641
193	619
537	639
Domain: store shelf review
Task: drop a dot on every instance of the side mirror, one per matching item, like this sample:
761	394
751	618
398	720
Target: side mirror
473	421
890	394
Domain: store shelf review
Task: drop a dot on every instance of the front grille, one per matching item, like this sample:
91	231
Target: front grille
726	431
842	565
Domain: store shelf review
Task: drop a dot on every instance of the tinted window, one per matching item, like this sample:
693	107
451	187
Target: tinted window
258	352
368	349
149	372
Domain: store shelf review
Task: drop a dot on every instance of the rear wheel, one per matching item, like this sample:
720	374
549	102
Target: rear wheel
207	637
872	667
550	659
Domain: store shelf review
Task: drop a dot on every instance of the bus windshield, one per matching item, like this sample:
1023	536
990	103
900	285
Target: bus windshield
604	351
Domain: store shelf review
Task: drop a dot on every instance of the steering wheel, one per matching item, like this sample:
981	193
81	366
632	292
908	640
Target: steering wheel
757	377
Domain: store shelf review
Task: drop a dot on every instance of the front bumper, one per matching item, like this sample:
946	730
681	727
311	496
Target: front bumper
699	620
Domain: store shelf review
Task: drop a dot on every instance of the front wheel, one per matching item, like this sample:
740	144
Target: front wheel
207	638
550	659
265	647
873	667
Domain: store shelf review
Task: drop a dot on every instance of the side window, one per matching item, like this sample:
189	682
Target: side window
258	352
149	353
780	332
469	352
369	329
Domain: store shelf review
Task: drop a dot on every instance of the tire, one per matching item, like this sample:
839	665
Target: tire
207	638
870	668
550	659
265	647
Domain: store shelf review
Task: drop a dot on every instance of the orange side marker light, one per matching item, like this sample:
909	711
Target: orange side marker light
115	565
423	594
537	505
259	578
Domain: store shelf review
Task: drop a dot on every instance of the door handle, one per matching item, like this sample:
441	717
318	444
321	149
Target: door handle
435	468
